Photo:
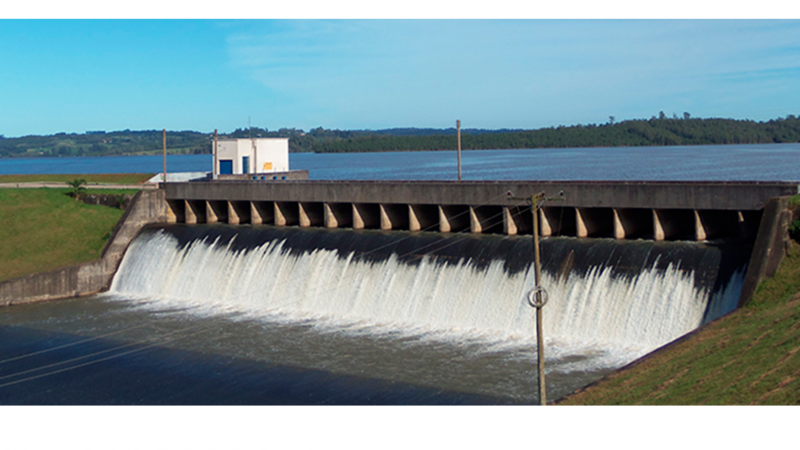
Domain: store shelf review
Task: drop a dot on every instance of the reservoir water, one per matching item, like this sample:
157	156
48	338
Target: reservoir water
752	162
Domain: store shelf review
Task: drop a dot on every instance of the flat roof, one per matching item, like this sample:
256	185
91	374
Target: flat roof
254	139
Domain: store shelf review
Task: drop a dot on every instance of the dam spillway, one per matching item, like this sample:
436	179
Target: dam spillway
445	311
622	210
622	298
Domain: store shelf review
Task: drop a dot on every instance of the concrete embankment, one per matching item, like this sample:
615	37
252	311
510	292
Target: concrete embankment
92	277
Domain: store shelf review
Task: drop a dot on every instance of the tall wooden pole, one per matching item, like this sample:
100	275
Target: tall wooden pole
458	133
215	169
164	139
537	297
539	300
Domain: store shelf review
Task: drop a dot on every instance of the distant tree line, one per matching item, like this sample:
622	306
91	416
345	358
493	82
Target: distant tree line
127	142
316	139
660	130
98	143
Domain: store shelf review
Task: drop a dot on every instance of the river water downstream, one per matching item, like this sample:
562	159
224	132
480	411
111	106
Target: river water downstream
293	316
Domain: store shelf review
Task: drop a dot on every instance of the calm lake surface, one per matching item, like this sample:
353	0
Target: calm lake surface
752	162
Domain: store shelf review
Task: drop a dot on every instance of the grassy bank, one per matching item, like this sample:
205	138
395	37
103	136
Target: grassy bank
44	229
750	357
105	178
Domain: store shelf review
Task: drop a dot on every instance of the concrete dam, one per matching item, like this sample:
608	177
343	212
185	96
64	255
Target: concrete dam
424	283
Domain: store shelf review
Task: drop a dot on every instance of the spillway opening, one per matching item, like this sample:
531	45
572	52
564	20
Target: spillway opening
445	311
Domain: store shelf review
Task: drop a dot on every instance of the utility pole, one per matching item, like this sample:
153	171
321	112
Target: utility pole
540	298
215	170
458	134
164	140
537	297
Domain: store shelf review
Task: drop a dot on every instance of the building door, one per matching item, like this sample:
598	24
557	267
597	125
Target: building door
226	167
245	164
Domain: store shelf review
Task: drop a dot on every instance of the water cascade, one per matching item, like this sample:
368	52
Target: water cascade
619	301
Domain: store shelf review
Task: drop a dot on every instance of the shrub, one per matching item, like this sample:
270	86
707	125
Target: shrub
76	187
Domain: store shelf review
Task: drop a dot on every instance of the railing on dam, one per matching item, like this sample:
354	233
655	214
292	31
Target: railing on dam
621	210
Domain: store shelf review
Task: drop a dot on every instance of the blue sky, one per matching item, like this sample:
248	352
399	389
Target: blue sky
79	75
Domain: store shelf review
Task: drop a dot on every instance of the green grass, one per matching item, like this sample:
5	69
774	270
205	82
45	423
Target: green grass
107	178
751	356
44	229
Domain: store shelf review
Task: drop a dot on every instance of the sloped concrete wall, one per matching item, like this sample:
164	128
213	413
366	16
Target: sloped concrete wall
769	248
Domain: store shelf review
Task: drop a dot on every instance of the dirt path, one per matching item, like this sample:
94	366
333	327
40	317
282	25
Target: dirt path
55	184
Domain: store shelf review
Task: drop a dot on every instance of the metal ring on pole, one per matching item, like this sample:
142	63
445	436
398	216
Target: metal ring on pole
537	297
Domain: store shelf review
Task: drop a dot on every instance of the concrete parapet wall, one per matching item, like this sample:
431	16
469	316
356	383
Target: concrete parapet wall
94	276
291	175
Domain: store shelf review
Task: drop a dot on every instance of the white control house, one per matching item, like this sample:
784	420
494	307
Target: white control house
243	156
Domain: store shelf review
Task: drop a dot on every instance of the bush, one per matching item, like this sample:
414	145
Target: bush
794	230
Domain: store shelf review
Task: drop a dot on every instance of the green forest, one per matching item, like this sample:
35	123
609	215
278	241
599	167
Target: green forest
659	130
656	131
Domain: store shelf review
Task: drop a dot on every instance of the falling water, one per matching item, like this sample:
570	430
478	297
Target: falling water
391	299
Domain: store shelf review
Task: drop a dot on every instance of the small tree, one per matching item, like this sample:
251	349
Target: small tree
76	187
